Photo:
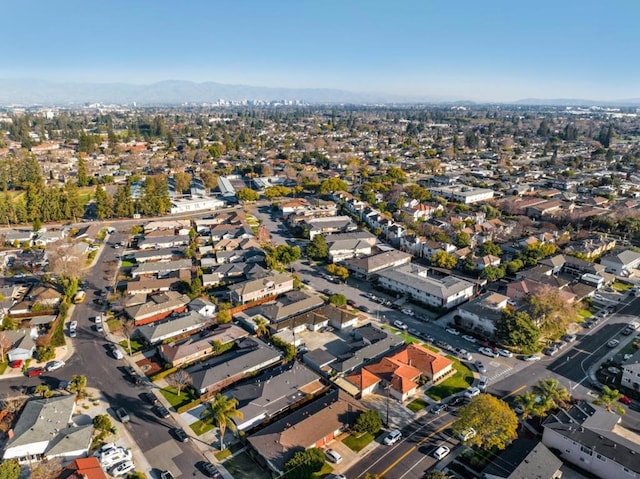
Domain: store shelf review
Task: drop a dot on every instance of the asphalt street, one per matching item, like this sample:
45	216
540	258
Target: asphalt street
103	372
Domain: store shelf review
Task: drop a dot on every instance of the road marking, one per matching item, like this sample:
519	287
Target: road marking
413	448
515	391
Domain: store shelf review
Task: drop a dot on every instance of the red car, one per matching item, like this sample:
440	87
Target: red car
34	372
625	400
16	364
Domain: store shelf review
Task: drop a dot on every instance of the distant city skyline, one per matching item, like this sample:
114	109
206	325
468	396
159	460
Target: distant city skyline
466	50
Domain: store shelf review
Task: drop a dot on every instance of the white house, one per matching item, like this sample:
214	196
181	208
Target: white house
45	430
23	343
593	439
631	372
622	263
203	306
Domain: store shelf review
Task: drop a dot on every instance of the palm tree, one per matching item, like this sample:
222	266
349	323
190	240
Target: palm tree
222	410
262	328
609	400
552	392
530	405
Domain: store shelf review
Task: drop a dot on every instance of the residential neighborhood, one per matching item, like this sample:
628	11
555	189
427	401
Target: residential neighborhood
320	292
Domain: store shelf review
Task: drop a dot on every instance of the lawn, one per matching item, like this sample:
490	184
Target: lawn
242	466
417	405
127	263
115	324
357	443
621	287
174	399
200	427
584	313
135	345
408	339
461	380
326	469
3	368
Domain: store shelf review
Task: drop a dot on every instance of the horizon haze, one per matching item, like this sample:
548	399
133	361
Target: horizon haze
412	51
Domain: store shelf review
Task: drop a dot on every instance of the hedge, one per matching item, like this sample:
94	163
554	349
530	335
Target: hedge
162	374
191	405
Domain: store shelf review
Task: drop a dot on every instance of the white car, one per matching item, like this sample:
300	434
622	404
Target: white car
114	456
122	468
399	324
488	352
531	357
505	353
408	312
452	331
117	354
53	365
467	434
73	325
333	456
471	339
393	437
471	392
441	452
97	319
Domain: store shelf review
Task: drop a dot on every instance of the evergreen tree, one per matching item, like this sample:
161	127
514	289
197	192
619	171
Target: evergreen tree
83	179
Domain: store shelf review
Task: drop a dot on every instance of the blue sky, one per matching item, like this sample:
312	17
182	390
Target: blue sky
492	50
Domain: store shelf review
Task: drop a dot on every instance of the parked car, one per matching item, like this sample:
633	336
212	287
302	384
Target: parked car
453	331
17	364
437	408
180	435
122	468
625	400
399	324
505	353
393	437
613	343
467	434
209	469
464	354
99	327
116	353
614	370
488	352
53	365
550	351
471	392
408	312
150	398
333	456
531	357
441	452
123	415
469	338
351	303
482	383
456	401
569	338
31	372
165	474
364	309
162	411
480	367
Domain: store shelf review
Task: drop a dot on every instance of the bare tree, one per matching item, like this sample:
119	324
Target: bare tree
128	328
62	262
49	469
179	380
5	345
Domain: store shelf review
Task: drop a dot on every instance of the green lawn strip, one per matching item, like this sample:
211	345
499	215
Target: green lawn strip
461	380
408	339
174	399
200	427
417	405
127	263
621	287
585	313
222	455
135	345
357	443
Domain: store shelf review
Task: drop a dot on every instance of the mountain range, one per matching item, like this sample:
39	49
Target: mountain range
27	92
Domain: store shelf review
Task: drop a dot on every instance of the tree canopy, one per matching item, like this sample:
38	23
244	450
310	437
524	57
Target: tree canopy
517	329
304	464
494	421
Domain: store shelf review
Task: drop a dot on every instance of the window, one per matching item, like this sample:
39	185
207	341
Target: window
586	450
